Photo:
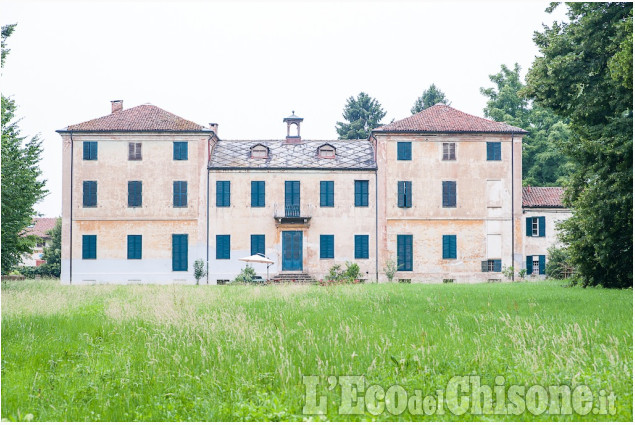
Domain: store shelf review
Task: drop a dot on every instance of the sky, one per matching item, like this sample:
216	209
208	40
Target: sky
247	65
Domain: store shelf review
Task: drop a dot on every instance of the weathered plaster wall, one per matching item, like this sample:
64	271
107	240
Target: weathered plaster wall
112	220
240	220
484	204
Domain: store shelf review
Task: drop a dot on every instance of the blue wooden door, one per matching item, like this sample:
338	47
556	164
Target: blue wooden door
292	198
292	250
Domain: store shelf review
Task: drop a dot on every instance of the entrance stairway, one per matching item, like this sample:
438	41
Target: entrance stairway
300	278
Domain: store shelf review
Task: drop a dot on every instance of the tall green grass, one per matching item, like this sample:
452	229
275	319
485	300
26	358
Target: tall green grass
157	353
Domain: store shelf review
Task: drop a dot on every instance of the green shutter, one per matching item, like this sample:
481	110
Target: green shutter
89	247
223	193
134	247
361	246
541	226
484	266
404	252
528	226
530	264
400	194
327	246
541	264
179	252
408	194
223	247
498	265
257	193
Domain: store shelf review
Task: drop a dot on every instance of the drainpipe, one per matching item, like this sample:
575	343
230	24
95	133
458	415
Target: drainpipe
513	274
207	214
376	212
70	268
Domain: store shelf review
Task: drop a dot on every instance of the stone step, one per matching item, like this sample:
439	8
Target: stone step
293	277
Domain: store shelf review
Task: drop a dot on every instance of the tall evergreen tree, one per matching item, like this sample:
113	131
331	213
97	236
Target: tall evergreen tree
430	97
544	163
362	115
585	74
21	184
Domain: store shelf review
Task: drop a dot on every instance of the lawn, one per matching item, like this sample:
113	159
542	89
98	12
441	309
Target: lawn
156	353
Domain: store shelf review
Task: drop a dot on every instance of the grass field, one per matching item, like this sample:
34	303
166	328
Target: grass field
158	353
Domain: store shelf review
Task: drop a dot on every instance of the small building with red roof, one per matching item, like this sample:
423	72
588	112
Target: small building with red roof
40	227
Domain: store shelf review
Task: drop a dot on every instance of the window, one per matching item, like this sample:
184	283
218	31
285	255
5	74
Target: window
535	226
90	193
89	247
134	151
404	253
449	151
223	192
134	194
179	194
259	152
361	193
536	264
257	194
90	151
179	151
491	266
223	247
327	193
404	194
179	253
404	151
326	151
134	247
361	246
493	151
449	246
257	244
449	194
327	246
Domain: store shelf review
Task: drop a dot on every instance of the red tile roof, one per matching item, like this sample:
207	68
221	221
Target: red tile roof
550	197
41	225
444	119
140	118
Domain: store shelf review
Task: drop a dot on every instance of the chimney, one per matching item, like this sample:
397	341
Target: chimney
117	105
214	127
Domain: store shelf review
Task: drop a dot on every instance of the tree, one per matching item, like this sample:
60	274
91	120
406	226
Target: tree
53	253
544	163
363	114
585	75
21	187
430	97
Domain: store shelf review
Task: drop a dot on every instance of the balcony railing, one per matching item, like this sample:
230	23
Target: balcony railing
292	210
292	214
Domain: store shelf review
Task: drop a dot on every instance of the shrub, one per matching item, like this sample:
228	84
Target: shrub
337	276
246	275
390	268
558	263
199	270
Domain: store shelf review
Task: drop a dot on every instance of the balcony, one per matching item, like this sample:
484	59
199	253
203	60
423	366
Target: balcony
292	215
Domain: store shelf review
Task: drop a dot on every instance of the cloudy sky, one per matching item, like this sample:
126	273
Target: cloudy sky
246	65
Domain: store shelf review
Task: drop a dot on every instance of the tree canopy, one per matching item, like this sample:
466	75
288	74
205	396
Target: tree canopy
585	75
544	163
362	115
430	97
21	184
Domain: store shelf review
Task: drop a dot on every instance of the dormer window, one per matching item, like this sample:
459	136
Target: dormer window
260	152
326	151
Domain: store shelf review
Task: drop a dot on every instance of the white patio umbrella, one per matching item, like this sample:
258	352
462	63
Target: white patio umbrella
258	258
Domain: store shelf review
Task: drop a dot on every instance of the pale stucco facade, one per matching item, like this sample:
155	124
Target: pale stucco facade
111	220
472	240
344	220
481	220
